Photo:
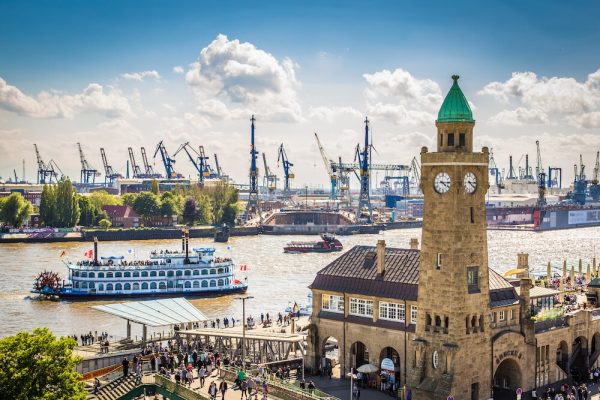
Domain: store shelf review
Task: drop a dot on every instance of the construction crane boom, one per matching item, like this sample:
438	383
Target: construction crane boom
596	169
45	171
197	165
88	173
109	174
148	168
415	169
166	159
288	175
137	171
219	172
327	162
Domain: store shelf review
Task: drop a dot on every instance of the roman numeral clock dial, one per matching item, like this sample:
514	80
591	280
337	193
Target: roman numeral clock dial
442	182
470	182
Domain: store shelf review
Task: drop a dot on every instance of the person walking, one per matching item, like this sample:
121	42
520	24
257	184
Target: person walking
202	375
244	388
223	388
135	365
212	390
125	364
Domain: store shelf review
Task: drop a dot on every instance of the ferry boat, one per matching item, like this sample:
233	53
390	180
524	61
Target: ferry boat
166	273
328	244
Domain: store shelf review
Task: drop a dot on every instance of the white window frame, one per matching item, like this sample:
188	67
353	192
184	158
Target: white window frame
392	311
511	314
361	307
501	315
413	313
332	303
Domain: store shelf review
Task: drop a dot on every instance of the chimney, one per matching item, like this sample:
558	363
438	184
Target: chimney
523	263
414	244
380	257
95	250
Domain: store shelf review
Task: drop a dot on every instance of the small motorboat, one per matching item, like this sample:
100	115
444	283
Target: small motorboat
328	244
222	234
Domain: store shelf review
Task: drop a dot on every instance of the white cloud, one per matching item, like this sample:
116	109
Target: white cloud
520	116
400	97
539	98
331	113
239	75
140	76
178	69
94	98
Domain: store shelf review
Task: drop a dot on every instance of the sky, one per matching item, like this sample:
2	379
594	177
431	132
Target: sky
116	74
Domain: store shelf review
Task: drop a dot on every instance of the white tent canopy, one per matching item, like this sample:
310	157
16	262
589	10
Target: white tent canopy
155	313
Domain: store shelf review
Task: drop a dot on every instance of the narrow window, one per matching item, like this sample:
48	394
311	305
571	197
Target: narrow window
501	316
467	324
451	139
461	140
439	261
473	279
472	215
481	323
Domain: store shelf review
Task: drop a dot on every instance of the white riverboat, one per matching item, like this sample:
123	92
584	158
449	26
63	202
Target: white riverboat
194	273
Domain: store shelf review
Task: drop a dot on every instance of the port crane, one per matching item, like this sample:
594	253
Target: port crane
109	174
595	184
220	174
46	172
415	170
269	178
88	173
495	172
511	170
200	165
541	176
148	168
287	174
579	184
333	178
167	160
364	200
253	205
135	168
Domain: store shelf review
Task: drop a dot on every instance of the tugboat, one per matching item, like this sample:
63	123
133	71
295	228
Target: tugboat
222	234
167	273
328	244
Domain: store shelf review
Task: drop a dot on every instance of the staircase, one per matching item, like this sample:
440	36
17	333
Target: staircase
116	389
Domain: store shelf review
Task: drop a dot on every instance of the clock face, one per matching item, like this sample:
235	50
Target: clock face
442	182
470	182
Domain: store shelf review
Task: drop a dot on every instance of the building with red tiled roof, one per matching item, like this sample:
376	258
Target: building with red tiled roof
122	216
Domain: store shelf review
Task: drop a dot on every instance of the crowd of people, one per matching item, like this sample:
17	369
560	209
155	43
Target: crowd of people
566	392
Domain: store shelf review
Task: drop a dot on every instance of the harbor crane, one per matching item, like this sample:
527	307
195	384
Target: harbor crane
88	173
511	170
415	170
595	184
135	168
287	174
199	161
495	172
269	178
253	205
109	174
333	178
364	200
220	174
579	184
342	171
148	168
555	177
46	172
541	176
167	160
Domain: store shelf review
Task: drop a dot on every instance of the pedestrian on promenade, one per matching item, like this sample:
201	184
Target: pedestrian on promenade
223	388
212	390
135	365
202	375
244	388
125	364
265	390
96	385
233	322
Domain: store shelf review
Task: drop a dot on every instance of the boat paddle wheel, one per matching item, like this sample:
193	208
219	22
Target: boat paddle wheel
48	283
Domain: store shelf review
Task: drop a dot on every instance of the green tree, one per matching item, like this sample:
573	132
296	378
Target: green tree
128	199
15	210
37	365
67	207
105	223
190	211
147	205
204	213
103	198
88	212
155	189
48	205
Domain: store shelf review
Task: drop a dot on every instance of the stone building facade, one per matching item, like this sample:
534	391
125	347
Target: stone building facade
452	326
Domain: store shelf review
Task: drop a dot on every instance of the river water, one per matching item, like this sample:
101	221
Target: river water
275	278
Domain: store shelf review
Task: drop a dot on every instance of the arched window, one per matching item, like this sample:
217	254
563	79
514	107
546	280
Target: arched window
204	272
136	286
152	273
136	274
127	274
109	274
83	274
118	275
75	273
161	273
196	272
91	285
92	275
187	272
196	284
170	284
84	285
76	285
213	283
162	285
109	287
127	286
153	286
100	274
179	273
220	271
204	283
100	287
145	274
170	273
188	284
118	287
145	286
213	271
220	283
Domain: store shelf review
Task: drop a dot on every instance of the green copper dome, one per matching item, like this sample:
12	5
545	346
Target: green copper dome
455	107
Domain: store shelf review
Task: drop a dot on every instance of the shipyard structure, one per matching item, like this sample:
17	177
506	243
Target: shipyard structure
451	326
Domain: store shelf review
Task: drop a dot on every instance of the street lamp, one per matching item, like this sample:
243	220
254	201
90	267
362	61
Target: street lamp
243	299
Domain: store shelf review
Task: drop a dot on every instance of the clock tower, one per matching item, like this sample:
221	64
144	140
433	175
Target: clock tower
453	322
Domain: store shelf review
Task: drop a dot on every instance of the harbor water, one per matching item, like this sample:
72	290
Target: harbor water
275	278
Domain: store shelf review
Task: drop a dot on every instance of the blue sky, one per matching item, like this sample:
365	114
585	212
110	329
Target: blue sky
64	46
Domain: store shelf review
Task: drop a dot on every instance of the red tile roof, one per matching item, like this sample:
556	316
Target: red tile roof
120	212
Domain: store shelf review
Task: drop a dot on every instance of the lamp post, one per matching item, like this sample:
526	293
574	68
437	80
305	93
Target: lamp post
243	299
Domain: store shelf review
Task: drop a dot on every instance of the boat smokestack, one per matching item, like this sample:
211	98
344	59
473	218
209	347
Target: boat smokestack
186	236
95	250
182	241
380	257
414	244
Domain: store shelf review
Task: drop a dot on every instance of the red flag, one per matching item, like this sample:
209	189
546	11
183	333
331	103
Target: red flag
243	267
64	253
